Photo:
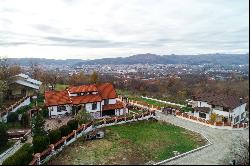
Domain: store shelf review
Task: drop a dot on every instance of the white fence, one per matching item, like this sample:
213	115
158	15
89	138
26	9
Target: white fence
14	109
162	101
47	154
9	151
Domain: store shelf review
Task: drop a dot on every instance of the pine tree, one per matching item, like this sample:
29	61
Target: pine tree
38	125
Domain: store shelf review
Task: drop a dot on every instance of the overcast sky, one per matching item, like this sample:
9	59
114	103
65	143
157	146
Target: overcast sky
90	29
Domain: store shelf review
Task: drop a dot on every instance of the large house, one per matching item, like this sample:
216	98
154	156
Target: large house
22	85
226	108
97	99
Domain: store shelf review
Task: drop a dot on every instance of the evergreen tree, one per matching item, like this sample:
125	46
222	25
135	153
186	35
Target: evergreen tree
38	125
25	121
3	135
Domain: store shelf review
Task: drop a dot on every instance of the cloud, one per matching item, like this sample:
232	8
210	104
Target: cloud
97	28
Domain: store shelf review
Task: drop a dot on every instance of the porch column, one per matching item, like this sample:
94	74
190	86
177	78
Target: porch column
75	134
37	155
52	148
64	138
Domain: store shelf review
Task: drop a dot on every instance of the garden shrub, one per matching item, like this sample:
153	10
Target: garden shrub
12	117
3	135
23	109
40	143
65	130
54	136
25	120
73	124
21	157
45	113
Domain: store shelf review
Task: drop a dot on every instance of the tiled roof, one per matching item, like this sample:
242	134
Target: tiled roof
202	109
53	98
118	105
86	99
220	100
82	88
106	90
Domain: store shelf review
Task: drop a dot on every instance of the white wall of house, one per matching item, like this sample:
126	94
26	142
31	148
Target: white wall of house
196	114
241	110
88	107
203	104
219	112
112	101
53	110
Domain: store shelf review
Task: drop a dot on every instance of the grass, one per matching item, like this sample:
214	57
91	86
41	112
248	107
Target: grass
7	146
21	157
60	87
134	143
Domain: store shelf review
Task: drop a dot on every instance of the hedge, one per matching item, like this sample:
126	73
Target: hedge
54	136
12	117
40	143
73	124
21	157
23	109
65	130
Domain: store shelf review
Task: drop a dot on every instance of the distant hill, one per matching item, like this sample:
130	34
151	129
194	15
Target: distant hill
224	59
175	59
42	61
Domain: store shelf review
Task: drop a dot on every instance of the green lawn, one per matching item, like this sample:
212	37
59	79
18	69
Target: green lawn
134	143
4	148
60	87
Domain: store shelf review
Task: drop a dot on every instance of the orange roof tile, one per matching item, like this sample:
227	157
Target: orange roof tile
82	88
53	98
118	105
107	91
86	99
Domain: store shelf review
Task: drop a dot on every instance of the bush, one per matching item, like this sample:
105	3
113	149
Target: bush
12	117
21	157
73	124
40	143
3	135
23	109
45	113
65	130
54	136
25	120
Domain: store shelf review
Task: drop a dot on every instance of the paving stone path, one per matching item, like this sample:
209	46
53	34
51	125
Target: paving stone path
214	154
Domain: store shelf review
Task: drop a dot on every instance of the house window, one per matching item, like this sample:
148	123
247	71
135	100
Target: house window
226	109
242	115
61	108
236	119
202	115
106	101
94	106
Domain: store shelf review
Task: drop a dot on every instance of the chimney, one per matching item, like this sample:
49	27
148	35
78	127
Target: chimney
241	100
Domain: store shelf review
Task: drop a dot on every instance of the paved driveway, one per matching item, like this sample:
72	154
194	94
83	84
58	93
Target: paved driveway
221	140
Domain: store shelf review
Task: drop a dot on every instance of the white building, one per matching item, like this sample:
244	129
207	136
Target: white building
227	108
97	99
22	85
